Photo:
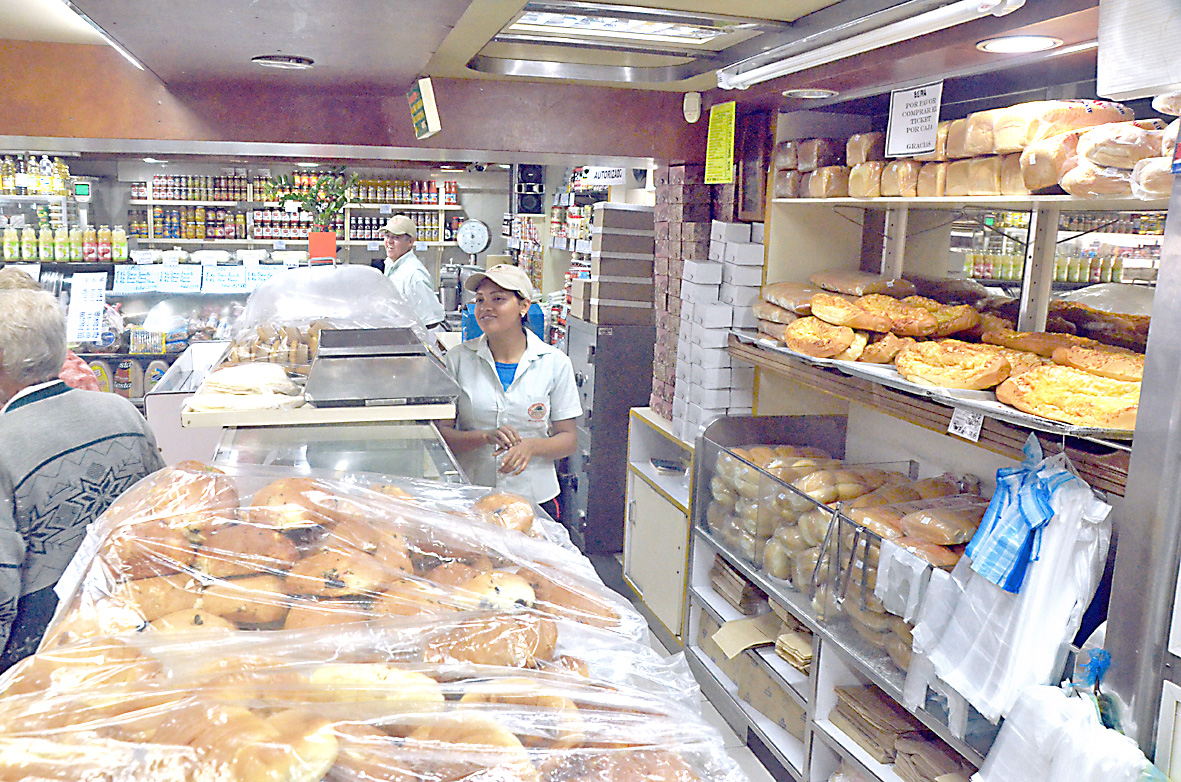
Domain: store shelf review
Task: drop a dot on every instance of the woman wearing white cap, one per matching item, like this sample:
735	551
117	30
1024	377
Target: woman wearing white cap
407	273
515	415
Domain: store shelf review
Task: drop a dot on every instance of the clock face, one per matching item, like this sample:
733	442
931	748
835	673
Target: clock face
473	236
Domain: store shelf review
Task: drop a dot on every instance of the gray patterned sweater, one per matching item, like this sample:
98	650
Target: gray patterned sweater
65	455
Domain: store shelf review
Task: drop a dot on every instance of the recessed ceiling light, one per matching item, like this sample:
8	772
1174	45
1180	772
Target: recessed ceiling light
307	164
1019	44
154	160
810	94
284	61
619	27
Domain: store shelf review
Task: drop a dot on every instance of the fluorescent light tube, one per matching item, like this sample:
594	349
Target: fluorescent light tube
111	41
732	77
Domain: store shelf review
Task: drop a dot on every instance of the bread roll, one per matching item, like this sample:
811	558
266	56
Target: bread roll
865	180
505	510
1040	342
1017	127
89	663
959	177
1118	145
858	283
1073	396
328	612
765	310
793	296
951	365
984	176
940	153
1045	162
243	549
290	503
150	547
957	140
1111	363
932	180
499	591
949	320
816	153
839	311
1152	178
1012	179
937	556
901	178
519	640
784	156
156	597
855	349
829	182
904	319
255	600
190	494
336	573
882	348
191	620
787	184
944	526
813	337
882	520
405	596
865	147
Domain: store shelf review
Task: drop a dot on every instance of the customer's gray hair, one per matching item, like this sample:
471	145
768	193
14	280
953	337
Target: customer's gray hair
32	336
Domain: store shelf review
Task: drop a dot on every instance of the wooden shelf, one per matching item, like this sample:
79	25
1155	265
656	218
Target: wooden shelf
1101	465
1011	203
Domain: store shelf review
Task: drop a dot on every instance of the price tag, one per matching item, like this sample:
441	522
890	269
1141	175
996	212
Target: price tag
136	279
84	318
420	247
280	245
258	274
387	209
223	279
291	207
966	424
291	263
180	279
373	247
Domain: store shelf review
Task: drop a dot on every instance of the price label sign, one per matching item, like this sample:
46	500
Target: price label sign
258	274
373	247
387	209
291	207
84	318
180	279
966	424
914	120
136	279
223	279
291	263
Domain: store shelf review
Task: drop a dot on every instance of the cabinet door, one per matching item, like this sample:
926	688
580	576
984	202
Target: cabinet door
654	553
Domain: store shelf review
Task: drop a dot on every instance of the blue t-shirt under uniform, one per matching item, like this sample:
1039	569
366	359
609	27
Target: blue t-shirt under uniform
506	373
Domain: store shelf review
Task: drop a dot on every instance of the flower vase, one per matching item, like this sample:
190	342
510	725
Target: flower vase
321	247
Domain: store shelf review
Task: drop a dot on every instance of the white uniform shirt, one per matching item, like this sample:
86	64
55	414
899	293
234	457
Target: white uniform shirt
542	391
413	281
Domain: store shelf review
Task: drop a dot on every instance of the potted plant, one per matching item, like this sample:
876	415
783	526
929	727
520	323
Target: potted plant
322	195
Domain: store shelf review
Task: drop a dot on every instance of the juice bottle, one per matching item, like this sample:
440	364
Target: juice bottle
45	244
61	244
119	244
76	242
29	243
90	245
104	244
12	244
7	177
61	174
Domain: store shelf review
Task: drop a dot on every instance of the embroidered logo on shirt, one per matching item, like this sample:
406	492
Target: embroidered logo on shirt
537	411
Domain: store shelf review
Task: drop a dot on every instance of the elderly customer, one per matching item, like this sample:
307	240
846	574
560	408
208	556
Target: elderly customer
67	455
75	372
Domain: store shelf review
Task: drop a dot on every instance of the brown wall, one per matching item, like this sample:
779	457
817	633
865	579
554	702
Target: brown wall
67	90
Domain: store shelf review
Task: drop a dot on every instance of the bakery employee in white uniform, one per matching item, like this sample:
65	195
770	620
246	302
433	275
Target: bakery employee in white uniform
518	403
407	273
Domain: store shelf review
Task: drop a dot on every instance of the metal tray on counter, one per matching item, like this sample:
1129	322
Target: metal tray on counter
379	381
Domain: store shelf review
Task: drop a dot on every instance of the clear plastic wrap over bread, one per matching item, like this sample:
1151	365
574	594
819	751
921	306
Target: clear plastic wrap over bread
284	316
466	644
341	721
308	552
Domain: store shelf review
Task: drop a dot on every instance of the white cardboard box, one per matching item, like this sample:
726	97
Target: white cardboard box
699	293
710	378
756	233
744	254
729	232
739	295
744	318
742	377
713	358
714	316
742	397
711	338
740	411
717	250
715	399
734	274
702	273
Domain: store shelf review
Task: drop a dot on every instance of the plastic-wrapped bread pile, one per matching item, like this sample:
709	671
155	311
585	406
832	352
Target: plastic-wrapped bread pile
1087	148
1091	381
774	505
253	627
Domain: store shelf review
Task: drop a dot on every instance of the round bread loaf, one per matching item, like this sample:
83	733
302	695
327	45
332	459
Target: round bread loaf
855	349
517	640
253	600
462	745
148	547
1114	363
905	320
337	572
558	725
951	365
290	503
814	337
839	311
155	597
498	590
243	549
413	597
189	494
505	510
1073	396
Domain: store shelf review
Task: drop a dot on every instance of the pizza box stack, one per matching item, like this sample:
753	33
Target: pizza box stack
716	296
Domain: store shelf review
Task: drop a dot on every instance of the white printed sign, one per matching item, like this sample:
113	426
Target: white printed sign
966	424
258	274
599	176
84	318
180	279
136	279
914	120
223	279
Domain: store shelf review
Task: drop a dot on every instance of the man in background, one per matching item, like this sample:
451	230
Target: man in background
406	271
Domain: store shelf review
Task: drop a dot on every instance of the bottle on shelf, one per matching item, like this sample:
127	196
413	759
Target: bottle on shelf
77	244
119	244
19	176
90	245
61	244
7	176
12	244
29	243
45	243
103	244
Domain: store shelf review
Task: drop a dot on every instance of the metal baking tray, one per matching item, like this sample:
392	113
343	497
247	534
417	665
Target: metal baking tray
373	381
396	341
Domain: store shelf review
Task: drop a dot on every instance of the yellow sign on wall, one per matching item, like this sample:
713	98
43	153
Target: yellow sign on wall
719	146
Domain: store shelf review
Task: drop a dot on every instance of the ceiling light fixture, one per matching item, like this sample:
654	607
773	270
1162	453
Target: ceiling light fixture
105	36
154	160
287	62
810	93
1019	44
788	59
619	27
307	164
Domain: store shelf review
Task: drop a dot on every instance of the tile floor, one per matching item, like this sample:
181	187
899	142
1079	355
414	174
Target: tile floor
735	746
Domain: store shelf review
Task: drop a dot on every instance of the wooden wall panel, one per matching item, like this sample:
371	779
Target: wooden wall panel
91	92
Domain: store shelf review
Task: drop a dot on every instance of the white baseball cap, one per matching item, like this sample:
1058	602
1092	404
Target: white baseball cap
507	276
400	224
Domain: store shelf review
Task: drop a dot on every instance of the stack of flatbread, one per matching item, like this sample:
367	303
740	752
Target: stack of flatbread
246	387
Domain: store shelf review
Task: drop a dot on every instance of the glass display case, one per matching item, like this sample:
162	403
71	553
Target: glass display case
411	450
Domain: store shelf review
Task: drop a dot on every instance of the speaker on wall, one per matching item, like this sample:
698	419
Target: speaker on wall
529	189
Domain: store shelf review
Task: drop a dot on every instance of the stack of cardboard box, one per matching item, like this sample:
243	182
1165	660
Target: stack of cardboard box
682	235
620	288
717	293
